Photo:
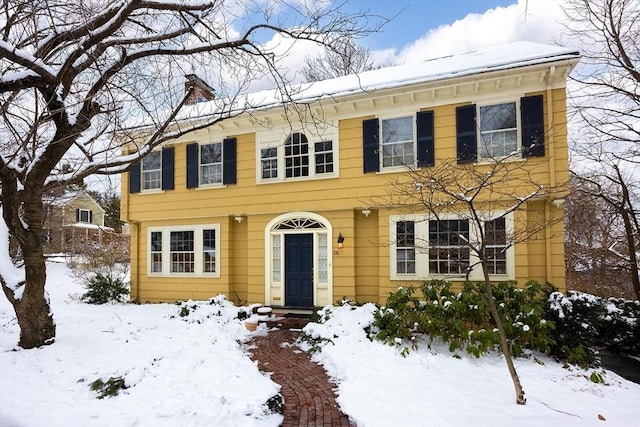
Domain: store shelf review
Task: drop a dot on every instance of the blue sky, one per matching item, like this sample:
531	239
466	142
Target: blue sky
416	17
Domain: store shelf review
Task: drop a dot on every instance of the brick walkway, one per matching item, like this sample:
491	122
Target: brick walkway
308	394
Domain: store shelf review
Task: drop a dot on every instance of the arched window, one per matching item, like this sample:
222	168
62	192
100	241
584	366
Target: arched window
296	155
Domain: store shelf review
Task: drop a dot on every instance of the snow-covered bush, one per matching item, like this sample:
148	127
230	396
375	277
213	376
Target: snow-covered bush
575	316
462	318
572	327
586	323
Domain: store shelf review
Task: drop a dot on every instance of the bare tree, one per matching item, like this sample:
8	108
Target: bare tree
595	243
483	198
341	58
77	77
605	97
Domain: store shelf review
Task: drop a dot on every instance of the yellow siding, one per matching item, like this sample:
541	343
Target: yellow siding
361	270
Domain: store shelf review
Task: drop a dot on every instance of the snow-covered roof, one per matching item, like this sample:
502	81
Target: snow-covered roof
495	58
67	197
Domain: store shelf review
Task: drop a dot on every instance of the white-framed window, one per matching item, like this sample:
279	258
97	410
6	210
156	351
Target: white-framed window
152	171
405	247
184	250
84	215
269	163
296	155
496	249
155	251
210	163
323	157
300	154
498	129
448	247
425	248
397	142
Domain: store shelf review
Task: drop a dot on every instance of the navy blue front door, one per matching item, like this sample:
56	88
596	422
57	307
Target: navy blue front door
298	270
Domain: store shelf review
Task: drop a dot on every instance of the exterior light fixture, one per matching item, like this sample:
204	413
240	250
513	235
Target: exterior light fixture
558	202
340	241
238	218
366	212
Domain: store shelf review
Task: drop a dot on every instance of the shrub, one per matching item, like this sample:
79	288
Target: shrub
570	327
462	318
586	323
575	316
109	388
103	289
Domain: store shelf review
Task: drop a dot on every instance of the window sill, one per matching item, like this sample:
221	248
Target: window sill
210	186
505	159
297	179
152	191
183	275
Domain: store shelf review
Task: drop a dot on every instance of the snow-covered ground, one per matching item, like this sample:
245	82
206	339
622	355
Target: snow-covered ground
198	373
179	373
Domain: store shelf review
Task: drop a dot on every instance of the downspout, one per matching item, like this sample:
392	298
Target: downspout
552	173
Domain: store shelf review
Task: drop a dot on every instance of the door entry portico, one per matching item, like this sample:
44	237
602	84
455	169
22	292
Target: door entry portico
298	262
298	271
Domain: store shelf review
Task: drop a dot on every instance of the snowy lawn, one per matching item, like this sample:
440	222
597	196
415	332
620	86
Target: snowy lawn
430	387
179	373
197	373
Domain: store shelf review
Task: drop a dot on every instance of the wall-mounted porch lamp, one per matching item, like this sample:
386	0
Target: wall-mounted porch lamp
340	241
366	212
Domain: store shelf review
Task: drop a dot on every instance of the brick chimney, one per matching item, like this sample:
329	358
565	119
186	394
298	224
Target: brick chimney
201	91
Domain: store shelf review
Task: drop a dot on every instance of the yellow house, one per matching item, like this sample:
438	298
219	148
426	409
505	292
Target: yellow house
277	208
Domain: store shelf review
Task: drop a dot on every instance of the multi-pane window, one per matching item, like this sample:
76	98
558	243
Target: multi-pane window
324	157
296	156
496	246
397	142
209	251
269	163
405	247
84	215
155	249
182	251
193	250
448	246
498	130
323	262
211	163
277	258
152	171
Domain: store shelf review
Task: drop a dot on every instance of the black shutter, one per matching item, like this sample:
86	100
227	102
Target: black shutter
167	168
370	145
466	134
192	165
229	161
91	217
134	178
77	215
424	125
532	121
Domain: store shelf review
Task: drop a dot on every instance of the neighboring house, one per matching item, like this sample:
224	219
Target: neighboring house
266	208
72	218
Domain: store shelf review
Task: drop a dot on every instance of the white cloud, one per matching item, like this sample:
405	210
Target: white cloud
530	20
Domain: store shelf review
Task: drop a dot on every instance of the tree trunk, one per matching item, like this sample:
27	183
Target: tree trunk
504	345
23	218
37	327
626	211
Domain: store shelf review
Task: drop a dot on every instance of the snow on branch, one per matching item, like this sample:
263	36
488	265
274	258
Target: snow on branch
11	276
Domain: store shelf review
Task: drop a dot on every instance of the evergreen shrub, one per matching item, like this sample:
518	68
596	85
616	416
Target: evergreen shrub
102	289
